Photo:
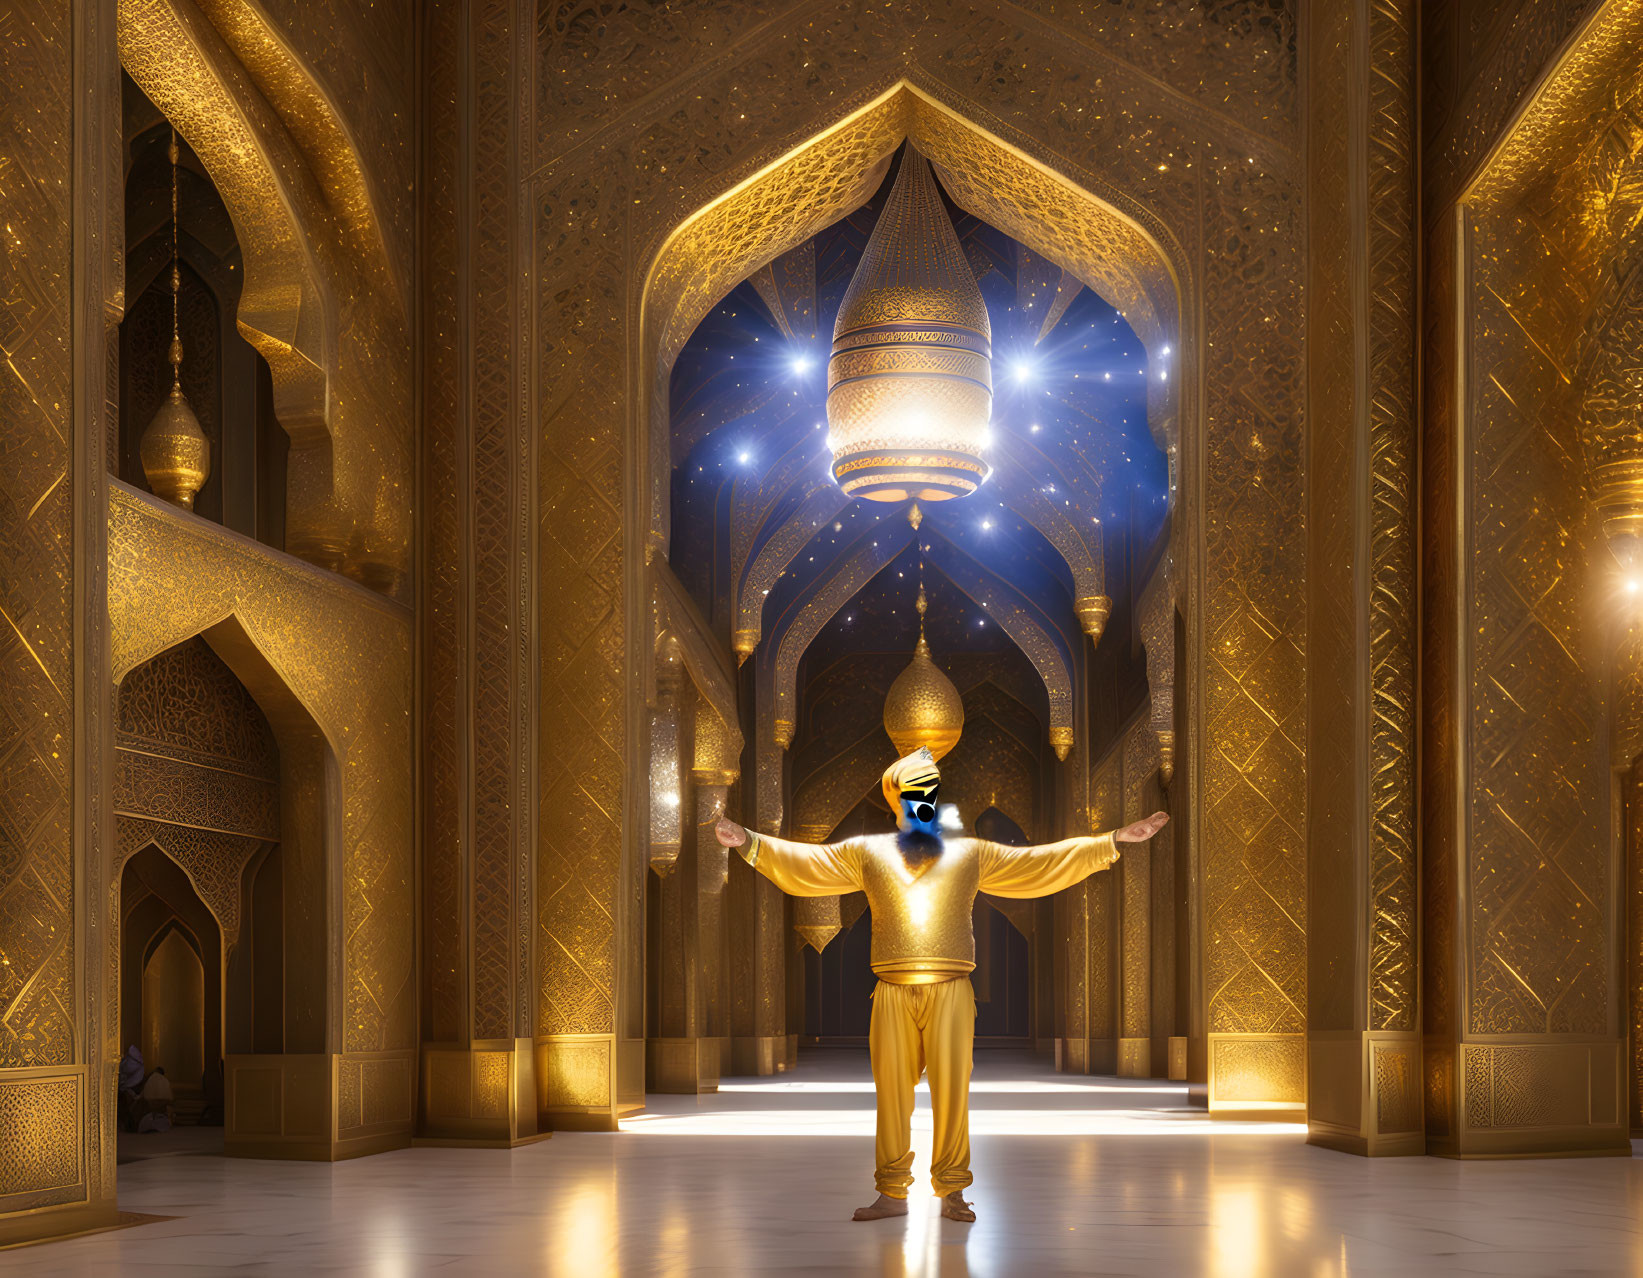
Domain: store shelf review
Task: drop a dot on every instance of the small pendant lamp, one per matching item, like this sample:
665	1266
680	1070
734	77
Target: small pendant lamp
175	453
923	707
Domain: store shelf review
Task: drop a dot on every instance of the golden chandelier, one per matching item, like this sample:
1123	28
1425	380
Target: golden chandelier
909	384
923	708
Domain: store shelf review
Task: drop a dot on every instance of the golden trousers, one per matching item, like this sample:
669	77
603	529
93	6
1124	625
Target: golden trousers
918	1029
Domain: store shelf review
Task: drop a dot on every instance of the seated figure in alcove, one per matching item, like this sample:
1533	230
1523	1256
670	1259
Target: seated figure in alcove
921	887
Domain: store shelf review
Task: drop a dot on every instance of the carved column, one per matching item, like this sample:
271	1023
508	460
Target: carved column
689	1045
714	770
1363	1049
1086	928
479	1076
760	1042
1135	908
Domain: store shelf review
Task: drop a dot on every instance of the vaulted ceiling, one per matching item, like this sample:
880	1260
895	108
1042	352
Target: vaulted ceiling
784	566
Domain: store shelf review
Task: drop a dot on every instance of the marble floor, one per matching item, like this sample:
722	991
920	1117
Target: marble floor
1073	1175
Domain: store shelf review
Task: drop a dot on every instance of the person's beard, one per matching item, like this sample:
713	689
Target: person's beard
918	846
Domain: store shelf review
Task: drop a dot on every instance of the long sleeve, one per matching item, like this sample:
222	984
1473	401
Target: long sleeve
805	869
1047	868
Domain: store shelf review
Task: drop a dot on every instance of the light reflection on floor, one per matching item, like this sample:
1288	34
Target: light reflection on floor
1072	1176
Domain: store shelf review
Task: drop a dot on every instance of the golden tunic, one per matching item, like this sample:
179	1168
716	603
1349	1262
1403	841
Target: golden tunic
921	922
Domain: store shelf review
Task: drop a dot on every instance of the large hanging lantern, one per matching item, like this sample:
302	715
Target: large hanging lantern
175	452
923	708
909	384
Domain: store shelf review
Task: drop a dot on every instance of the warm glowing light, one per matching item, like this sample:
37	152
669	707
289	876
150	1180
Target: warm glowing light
909	381
1631	585
584	1234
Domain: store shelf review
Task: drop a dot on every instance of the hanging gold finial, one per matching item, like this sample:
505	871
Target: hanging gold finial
175	453
923	707
915	516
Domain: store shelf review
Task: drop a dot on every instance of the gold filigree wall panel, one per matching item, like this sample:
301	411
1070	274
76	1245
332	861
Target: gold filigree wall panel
1249	597
214	862
193	749
186	704
60	174
1538	861
37	637
344	655
1391	278
1521	876
38	1167
1479	58
584	881
324	299
164	789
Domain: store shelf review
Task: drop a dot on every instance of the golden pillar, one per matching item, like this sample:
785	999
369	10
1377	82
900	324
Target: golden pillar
483	729
760	1041
59	1036
1363	1049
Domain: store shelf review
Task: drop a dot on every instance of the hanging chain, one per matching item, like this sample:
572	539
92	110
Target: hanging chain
176	352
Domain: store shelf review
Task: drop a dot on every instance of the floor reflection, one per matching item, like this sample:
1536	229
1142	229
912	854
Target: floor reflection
1073	1176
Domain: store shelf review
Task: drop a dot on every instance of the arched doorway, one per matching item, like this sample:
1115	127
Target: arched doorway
171	989
222	813
816	595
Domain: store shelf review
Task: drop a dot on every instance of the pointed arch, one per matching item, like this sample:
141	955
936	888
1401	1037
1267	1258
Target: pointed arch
1107	240
338	710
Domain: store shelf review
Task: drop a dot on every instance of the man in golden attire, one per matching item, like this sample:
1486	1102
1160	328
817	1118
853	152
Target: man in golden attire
921	887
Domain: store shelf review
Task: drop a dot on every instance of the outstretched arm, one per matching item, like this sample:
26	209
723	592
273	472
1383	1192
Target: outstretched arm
799	869
1049	867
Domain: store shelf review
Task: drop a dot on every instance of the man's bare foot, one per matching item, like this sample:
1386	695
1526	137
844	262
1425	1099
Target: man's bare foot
954	1207
883	1207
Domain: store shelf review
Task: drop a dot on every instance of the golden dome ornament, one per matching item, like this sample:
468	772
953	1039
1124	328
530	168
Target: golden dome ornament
909	384
923	707
175	452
